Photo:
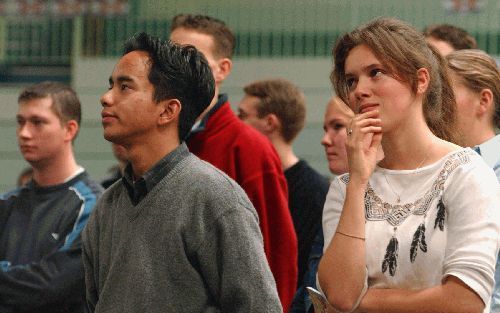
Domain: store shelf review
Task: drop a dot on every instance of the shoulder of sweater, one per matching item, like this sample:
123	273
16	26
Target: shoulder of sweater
200	174
111	194
200	179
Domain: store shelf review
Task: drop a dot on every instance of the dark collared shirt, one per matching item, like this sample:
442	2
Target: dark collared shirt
477	149
137	190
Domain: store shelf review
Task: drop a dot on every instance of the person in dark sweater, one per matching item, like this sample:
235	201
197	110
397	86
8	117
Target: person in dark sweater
41	221
176	234
277	109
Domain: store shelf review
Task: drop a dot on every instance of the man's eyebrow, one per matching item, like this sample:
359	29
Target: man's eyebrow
121	79
34	116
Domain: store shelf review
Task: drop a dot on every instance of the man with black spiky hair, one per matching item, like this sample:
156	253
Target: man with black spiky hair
176	234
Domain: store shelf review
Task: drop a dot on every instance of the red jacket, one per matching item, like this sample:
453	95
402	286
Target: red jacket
250	159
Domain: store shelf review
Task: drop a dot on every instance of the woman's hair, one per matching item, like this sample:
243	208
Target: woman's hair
478	71
341	106
403	50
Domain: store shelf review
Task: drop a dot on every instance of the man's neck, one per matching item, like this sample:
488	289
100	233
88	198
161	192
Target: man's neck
55	171
144	155
285	152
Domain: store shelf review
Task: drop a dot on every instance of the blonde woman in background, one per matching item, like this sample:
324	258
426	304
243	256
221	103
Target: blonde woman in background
476	84
337	117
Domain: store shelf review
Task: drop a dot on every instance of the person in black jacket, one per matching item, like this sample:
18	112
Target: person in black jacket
277	108
40	245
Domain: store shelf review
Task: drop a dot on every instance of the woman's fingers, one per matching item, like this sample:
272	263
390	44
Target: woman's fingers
371	129
364	138
364	120
359	129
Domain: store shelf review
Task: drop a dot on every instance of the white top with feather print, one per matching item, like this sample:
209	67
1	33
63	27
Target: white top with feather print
447	223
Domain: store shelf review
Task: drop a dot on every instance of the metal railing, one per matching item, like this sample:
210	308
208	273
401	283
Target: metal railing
293	28
36	40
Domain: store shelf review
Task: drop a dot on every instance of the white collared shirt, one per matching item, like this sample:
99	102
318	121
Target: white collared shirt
490	151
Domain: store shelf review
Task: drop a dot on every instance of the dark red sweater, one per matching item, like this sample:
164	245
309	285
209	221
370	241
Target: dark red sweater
250	159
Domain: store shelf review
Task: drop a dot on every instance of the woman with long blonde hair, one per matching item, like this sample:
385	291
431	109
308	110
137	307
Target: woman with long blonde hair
417	231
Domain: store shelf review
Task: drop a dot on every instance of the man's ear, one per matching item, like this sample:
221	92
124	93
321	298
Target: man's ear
423	79
224	66
170	110
272	123
71	129
485	102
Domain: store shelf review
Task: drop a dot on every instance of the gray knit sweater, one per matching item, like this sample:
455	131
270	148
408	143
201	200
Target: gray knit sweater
193	244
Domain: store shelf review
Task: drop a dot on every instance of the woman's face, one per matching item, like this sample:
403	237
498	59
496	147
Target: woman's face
373	87
335	124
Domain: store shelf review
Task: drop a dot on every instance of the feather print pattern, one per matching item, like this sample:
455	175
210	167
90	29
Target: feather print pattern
391	257
418	242
440	215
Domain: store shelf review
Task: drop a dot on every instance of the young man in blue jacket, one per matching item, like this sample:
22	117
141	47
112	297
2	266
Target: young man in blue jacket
41	222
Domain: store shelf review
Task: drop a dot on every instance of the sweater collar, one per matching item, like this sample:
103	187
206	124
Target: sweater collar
137	190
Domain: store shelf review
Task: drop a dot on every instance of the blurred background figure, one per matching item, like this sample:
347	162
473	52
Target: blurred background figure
476	83
337	117
115	172
277	109
447	38
462	6
31	7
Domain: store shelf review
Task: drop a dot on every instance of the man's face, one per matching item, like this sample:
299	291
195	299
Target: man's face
41	135
203	42
247	112
129	113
